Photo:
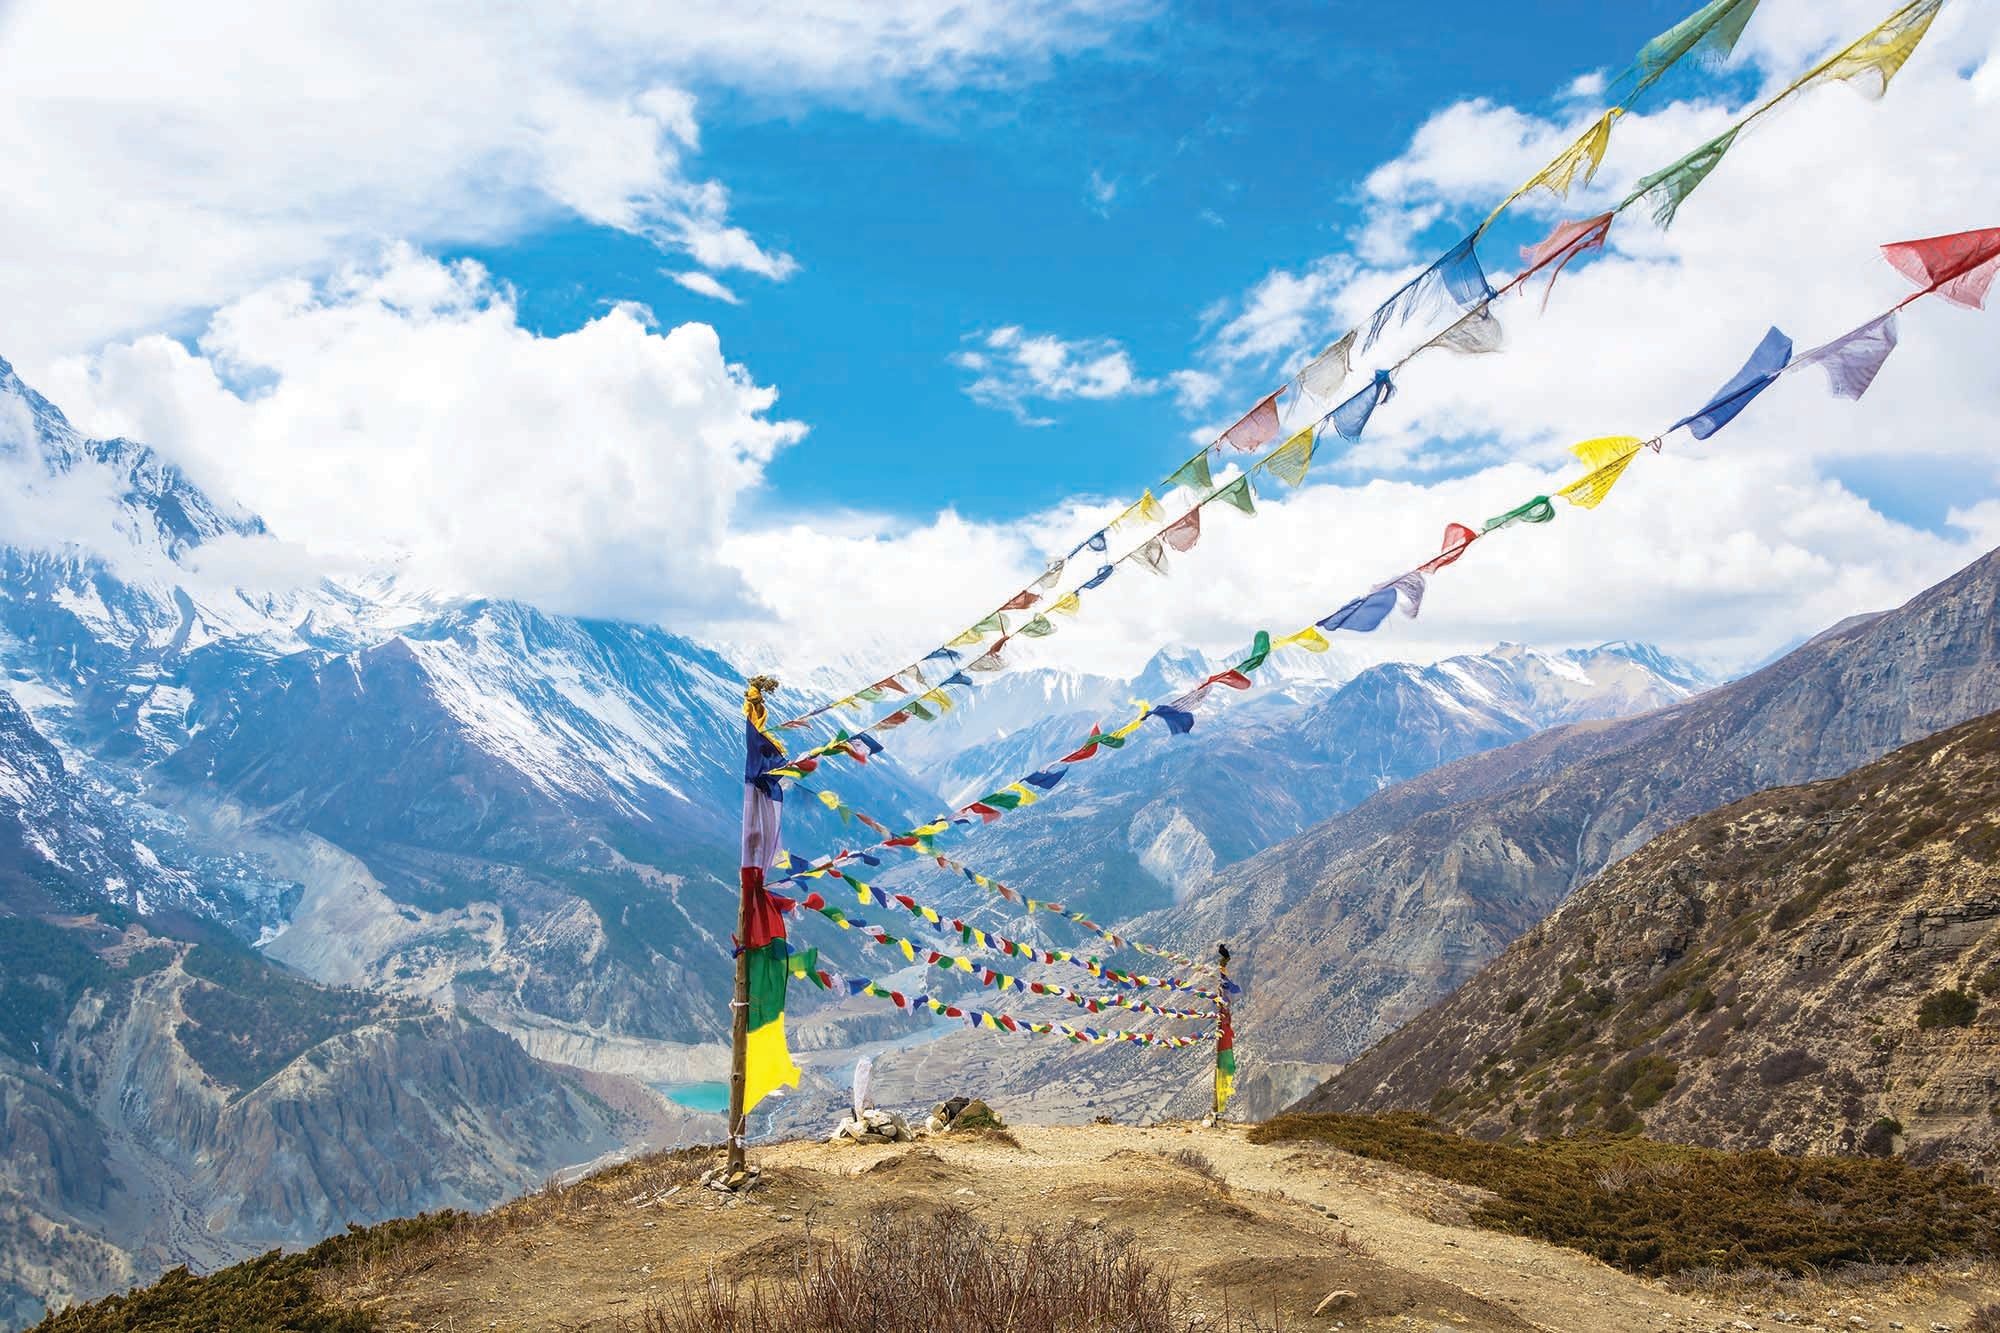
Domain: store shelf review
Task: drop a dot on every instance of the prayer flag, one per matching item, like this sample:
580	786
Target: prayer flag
1959	267
1457	275
1289	461
1103	573
1363	614
1260	649
1068	604
1192	475
1537	510
1323	376
1047	578
1021	600
1566	242
1671	185
1478	331
1256	426
1873	60
1852	360
1225	1060
1037	628
1145	507
1456	538
1764	364
1237	493
1153	556
1585	155
1308	638
1184	532
1351	417
1714	27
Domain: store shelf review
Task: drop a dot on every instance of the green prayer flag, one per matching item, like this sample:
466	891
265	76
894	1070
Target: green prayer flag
1670	186
921	713
871	694
1259	650
993	624
1192	474
1238	493
1037	628
1002	800
1714	27
1537	510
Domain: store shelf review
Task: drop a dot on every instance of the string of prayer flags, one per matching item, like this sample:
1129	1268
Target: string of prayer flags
1941	261
1459	277
1959	267
1852	360
989	976
854	986
1764	366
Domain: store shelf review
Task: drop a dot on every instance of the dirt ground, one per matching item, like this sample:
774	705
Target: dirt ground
1287	1228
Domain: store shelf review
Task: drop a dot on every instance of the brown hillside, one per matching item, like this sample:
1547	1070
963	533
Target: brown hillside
1812	969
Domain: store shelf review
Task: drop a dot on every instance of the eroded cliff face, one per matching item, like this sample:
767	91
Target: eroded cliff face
1812	969
202	1108
1355	927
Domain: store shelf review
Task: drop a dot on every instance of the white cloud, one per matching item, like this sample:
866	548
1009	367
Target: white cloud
1014	368
1101	190
162	161
402	408
701	284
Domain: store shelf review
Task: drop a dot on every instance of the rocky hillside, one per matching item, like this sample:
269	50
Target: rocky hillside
1350	930
1812	969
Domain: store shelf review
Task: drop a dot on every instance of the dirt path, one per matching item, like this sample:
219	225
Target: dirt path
1287	1228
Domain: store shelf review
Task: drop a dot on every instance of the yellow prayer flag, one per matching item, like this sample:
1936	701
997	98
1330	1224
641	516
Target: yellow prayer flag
939	700
1608	449
829	800
970	636
1308	638
1068	604
1133	725
964	964
909	952
767	1062
1589	490
929	914
1028	797
1288	462
1880	53
1586	155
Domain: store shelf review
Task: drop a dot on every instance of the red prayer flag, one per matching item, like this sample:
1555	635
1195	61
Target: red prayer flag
1089	750
1022	600
1565	243
1959	267
1256	427
987	814
1456	538
1235	680
1184	532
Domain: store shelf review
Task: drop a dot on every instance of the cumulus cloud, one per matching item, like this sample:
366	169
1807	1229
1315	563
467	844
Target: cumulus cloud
400	408
1013	368
139	195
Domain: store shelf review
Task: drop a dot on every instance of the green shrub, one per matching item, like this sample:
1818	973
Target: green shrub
1948	1009
1679	1207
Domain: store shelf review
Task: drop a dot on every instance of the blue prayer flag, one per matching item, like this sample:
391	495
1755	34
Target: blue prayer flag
1771	356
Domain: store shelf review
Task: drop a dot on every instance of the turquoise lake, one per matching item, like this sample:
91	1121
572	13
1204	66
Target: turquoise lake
712	1097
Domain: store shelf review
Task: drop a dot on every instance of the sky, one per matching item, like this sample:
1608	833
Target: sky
813	329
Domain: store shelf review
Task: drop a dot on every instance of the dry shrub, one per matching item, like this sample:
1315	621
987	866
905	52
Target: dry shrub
1198	1162
905	1273
1986	1319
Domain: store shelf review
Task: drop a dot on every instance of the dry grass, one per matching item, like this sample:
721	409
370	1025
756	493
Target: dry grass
915	1273
1985	1319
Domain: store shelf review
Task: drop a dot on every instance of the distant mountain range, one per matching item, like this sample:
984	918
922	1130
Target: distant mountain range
1350	930
1811	969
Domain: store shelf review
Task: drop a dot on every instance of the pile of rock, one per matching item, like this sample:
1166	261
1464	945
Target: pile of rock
740	1181
962	1113
872	1126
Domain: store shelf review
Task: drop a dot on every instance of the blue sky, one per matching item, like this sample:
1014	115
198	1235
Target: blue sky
424	291
1232	148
